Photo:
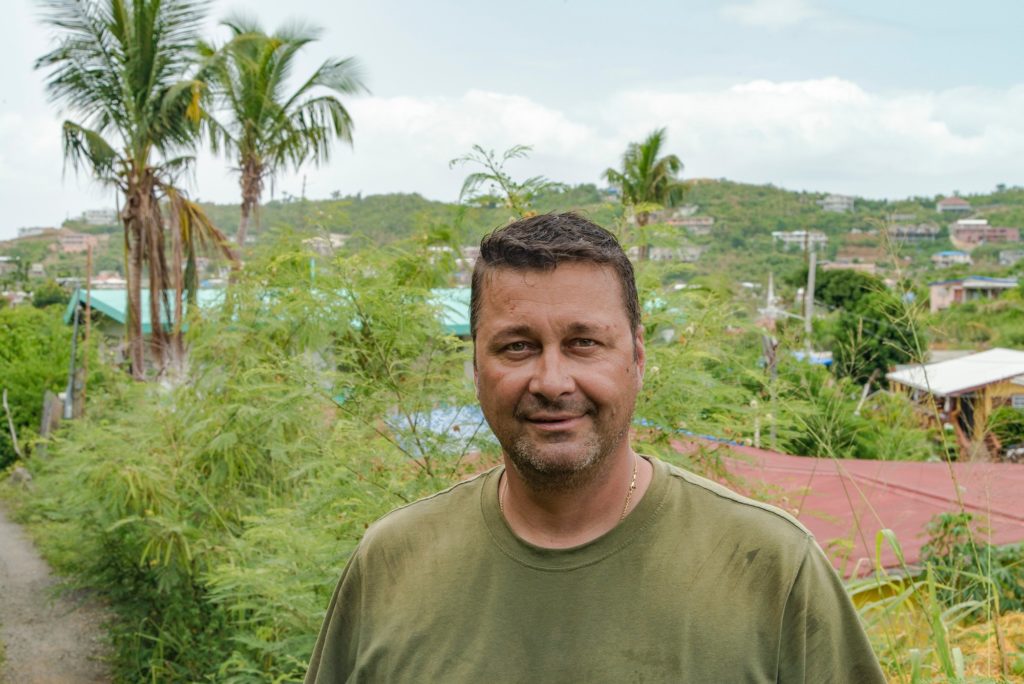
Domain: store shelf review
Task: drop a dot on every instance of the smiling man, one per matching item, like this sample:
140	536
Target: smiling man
580	560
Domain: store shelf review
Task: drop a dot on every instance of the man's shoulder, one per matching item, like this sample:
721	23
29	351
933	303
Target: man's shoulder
443	510
728	508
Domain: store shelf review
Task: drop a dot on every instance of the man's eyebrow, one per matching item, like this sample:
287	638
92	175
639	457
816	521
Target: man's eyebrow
513	331
581	328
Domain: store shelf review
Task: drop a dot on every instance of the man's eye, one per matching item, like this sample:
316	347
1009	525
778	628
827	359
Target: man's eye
516	347
585	342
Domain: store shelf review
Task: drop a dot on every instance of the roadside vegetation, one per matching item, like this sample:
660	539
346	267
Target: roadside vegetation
213	492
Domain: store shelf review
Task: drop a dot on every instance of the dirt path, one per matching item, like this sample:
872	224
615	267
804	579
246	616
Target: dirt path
47	639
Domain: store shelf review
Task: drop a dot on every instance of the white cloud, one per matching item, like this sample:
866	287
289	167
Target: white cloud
827	134
771	14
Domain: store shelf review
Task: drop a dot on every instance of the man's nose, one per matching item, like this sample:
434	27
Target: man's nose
552	375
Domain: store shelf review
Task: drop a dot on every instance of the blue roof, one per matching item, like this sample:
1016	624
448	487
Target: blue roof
987	279
952	252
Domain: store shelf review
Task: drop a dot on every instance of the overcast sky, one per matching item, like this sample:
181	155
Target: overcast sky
873	98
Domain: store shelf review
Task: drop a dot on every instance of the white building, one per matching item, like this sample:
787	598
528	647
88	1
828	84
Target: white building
951	257
837	203
100	217
801	239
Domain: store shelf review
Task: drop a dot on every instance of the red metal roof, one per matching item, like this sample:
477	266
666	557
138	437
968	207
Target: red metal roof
844	503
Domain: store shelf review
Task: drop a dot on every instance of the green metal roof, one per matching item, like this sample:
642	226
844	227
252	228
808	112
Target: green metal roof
114	304
453	302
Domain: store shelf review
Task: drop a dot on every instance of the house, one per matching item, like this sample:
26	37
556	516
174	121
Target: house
696	225
36	270
100	217
908	232
689	254
971	232
953	205
35	231
325	245
945	293
8	265
802	239
869	268
837	203
963	392
1009	257
77	243
951	258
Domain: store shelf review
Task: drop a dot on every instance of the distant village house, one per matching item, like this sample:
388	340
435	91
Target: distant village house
8	265
100	217
839	204
36	231
801	239
951	257
77	243
953	205
970	232
695	225
921	232
945	293
1009	257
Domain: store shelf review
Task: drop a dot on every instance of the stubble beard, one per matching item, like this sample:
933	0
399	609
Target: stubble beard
543	471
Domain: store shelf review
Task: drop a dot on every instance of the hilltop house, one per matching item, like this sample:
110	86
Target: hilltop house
696	225
76	243
945	293
953	205
921	232
971	232
801	239
100	217
963	392
1009	257
8	265
951	258
837	203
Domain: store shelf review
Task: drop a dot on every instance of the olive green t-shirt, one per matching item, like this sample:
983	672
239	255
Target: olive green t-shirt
697	584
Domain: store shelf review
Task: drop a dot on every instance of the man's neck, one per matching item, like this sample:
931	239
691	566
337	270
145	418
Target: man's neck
560	519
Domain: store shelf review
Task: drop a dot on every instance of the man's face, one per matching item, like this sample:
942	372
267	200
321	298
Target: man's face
557	370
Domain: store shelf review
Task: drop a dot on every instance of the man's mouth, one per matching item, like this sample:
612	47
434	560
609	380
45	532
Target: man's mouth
562	421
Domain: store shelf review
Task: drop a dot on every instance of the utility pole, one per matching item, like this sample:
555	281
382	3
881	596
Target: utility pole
812	265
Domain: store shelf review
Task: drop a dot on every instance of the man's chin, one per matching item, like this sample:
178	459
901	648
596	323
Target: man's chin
562	465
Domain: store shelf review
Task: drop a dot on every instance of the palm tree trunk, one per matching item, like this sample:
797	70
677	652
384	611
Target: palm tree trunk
132	218
642	219
252	187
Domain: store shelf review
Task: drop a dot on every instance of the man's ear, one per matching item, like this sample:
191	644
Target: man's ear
476	374
640	353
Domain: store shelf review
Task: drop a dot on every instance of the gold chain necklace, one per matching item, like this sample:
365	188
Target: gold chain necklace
625	506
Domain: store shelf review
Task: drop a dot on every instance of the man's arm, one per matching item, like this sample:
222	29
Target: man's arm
334	654
822	636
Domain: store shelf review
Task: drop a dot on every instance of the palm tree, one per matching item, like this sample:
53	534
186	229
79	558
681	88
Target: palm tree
126	70
647	181
499	186
267	128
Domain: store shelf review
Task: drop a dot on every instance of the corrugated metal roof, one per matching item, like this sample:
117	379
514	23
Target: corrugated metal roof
845	503
958	376
453	302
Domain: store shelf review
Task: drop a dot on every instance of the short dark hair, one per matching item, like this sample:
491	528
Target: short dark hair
541	243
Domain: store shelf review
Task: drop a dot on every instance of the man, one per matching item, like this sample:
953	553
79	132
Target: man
580	560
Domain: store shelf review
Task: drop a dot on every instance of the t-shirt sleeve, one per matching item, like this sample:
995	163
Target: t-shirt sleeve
333	656
822	636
